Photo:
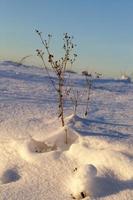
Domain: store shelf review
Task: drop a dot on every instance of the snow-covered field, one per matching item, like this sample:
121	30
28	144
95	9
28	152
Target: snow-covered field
35	162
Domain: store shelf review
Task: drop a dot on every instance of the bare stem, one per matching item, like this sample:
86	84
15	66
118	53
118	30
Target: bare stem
59	68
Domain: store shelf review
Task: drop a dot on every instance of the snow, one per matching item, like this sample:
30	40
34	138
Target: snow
126	78
35	161
82	182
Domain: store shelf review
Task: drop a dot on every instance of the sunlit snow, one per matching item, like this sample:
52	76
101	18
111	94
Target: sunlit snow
35	161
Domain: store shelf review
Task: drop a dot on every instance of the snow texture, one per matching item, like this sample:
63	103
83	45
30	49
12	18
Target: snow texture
35	161
83	181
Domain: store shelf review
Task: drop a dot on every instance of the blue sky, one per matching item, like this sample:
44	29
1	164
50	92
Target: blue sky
103	31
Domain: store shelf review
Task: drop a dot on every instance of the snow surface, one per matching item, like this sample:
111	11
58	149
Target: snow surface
35	162
82	181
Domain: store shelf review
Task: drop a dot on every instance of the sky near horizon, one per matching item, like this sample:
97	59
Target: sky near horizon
102	30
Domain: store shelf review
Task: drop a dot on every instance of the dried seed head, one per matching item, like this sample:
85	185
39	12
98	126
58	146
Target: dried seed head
36	31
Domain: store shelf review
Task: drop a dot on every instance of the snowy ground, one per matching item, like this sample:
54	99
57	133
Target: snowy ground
35	162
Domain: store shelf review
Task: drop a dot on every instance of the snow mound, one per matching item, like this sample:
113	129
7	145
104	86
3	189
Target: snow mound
39	146
119	162
58	138
83	181
32	150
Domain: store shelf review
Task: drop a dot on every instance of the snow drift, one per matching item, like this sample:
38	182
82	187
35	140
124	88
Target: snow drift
35	161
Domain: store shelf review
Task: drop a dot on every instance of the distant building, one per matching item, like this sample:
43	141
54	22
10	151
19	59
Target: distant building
125	77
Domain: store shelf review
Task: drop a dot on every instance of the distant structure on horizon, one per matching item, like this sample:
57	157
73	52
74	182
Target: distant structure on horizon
125	77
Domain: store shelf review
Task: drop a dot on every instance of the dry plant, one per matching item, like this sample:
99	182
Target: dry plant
75	99
73	96
88	79
59	66
76	95
24	58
